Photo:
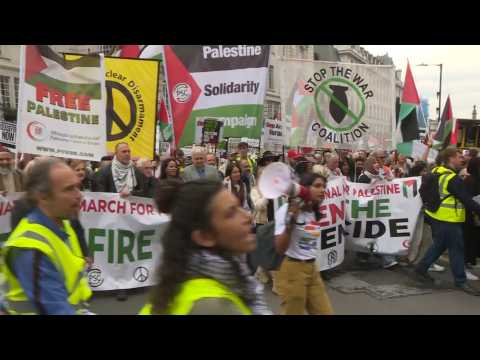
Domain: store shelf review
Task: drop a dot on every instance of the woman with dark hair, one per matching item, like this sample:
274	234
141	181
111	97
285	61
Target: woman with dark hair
472	222
202	270
170	169
237	186
299	283
345	169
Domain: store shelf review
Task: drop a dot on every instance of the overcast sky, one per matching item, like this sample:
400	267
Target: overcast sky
461	73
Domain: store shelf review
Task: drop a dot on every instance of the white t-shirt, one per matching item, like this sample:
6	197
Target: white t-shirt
305	235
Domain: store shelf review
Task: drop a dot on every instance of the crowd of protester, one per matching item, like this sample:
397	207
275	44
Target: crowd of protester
239	173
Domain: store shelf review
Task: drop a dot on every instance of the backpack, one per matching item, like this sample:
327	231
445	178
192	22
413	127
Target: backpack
430	191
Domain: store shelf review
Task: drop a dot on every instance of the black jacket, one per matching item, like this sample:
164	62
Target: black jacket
104	182
458	189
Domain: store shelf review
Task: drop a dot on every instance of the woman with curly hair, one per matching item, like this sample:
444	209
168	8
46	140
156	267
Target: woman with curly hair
202	270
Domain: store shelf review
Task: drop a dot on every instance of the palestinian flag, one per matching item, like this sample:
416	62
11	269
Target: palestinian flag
130	51
78	76
444	135
407	124
297	106
179	82
156	52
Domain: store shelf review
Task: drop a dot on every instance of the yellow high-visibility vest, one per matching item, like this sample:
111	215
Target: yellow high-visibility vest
251	163
197	289
451	209
67	258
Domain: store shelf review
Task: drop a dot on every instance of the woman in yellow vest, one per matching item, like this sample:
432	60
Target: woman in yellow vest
203	269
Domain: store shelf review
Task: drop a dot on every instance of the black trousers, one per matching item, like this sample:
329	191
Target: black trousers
471	241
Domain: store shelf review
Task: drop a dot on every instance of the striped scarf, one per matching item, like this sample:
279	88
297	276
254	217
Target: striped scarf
233	272
123	175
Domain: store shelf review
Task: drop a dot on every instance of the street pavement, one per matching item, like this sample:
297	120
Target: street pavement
353	290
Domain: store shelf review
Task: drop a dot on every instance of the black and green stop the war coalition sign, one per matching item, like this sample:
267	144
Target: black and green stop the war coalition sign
340	100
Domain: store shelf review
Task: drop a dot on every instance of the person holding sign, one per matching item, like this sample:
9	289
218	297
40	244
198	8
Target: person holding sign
299	283
203	269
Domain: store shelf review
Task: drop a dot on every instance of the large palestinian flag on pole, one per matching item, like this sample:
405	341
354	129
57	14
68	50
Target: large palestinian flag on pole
164	112
443	136
407	125
61	109
226	82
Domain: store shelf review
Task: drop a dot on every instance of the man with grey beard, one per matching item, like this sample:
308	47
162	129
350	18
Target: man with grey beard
11	180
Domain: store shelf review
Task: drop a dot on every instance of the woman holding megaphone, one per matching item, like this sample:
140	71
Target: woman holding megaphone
297	233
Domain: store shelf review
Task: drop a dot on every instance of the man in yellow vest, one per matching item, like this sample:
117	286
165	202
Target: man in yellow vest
44	265
243	155
447	222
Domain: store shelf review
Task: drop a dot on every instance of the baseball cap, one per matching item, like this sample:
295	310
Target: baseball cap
293	154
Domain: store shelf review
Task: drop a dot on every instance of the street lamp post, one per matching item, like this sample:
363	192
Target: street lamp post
439	94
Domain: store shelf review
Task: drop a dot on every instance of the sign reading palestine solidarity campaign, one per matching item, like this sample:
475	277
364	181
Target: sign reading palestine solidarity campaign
61	107
350	106
226	82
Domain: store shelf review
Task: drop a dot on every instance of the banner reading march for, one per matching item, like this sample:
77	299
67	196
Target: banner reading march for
123	236
61	107
349	106
226	82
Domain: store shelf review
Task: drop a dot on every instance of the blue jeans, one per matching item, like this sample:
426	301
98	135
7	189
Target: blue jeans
446	236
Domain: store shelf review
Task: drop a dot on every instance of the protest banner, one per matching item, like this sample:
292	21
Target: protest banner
8	132
350	106
6	206
131	103
61	107
273	135
227	82
123	236
381	217
330	229
132	92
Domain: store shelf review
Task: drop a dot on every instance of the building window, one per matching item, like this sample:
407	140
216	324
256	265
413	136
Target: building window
16	92
5	91
106	49
270	78
271	110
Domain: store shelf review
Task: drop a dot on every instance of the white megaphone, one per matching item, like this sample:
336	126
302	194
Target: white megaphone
276	180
